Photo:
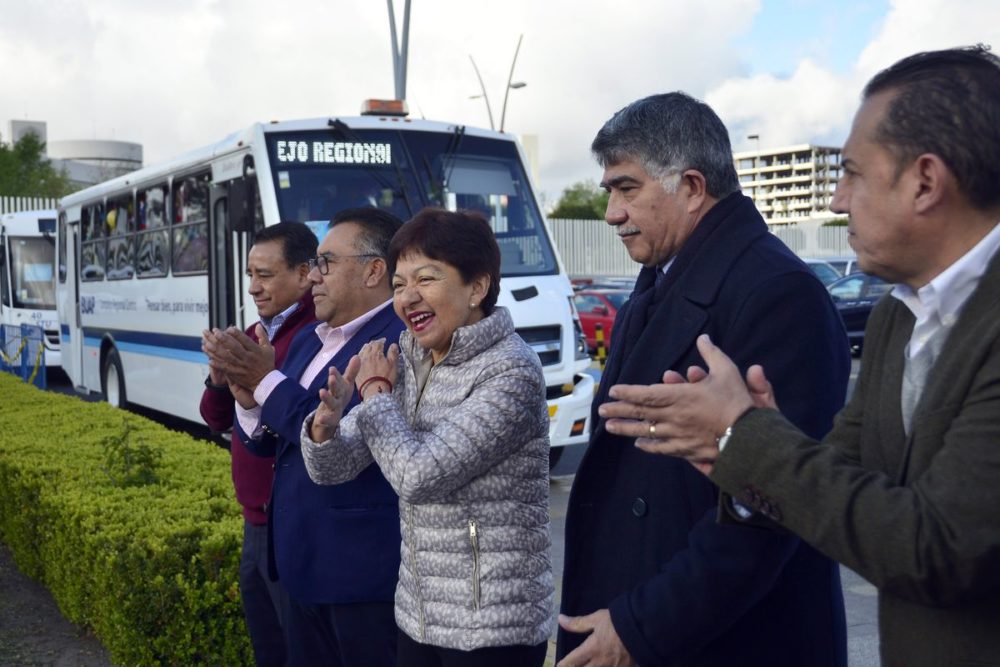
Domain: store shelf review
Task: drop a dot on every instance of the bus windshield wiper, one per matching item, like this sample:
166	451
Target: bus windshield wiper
340	127
454	143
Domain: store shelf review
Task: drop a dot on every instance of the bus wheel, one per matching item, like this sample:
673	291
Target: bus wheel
555	453
113	380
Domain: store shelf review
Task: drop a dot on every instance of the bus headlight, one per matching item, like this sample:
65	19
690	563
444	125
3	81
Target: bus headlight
580	347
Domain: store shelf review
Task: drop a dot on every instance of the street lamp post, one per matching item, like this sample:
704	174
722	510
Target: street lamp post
510	77
756	158
510	85
482	87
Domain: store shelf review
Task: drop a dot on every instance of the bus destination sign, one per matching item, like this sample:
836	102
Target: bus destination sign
332	152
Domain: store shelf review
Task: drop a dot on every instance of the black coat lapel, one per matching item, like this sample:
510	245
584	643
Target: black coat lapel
672	314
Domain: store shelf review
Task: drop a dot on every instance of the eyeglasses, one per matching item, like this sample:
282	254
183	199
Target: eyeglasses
322	262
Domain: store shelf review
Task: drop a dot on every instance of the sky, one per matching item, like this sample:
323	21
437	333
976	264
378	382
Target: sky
174	75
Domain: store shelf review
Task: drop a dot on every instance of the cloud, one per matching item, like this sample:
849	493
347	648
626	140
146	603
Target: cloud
808	106
815	105
175	76
926	25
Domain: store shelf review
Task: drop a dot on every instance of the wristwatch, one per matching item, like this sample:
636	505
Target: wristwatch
215	387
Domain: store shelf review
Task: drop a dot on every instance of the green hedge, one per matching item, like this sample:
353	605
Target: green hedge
132	527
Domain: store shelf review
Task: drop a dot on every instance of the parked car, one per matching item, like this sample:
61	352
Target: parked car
599	306
845	265
855	296
824	271
602	282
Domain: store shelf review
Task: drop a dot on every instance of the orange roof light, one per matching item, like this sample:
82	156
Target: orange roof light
384	108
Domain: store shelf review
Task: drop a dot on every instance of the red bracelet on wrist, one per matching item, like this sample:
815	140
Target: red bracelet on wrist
374	378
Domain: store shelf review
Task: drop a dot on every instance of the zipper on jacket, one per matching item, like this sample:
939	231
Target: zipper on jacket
416	577
474	538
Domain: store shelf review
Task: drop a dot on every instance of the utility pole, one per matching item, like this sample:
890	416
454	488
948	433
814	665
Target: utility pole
399	54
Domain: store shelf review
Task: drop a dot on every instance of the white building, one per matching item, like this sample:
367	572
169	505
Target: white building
790	184
85	162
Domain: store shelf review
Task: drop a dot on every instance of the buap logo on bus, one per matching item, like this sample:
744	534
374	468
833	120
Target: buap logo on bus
87	304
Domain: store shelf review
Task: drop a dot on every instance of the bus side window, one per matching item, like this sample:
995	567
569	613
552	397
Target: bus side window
93	248
153	238
190	228
62	247
120	221
4	281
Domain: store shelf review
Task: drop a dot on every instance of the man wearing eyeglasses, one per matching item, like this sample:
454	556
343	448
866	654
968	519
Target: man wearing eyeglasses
336	548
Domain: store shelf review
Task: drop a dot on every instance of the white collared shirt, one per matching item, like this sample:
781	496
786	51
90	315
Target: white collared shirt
939	303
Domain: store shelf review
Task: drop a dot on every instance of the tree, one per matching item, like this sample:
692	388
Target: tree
581	201
26	172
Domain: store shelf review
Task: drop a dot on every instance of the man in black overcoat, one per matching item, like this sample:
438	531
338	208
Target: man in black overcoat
651	578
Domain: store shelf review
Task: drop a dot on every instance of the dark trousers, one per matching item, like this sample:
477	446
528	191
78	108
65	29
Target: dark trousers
341	635
412	653
264	601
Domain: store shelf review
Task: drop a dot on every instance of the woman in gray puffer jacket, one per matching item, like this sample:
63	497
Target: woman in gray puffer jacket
459	426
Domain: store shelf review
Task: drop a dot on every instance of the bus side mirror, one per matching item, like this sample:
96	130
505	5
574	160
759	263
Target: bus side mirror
243	199
240	205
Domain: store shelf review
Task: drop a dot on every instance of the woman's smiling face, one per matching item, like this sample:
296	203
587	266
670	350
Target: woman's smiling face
433	301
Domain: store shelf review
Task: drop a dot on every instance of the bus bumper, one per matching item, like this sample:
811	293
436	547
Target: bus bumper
569	412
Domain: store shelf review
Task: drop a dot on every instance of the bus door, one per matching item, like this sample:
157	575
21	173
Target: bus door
5	280
68	295
229	238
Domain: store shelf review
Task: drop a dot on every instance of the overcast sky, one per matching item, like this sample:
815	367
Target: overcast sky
176	74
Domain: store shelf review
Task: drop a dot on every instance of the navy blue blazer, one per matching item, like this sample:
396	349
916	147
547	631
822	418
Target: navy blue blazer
331	544
642	537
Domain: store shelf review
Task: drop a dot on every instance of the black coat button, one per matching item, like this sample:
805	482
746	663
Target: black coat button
639	507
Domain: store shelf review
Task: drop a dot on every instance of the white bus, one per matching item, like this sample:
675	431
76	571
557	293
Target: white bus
27	275
156	256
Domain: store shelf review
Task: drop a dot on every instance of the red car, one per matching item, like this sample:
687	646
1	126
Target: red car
599	306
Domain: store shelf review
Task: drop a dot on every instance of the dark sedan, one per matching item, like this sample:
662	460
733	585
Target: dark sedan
855	296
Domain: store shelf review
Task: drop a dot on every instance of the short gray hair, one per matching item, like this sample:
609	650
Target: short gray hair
668	134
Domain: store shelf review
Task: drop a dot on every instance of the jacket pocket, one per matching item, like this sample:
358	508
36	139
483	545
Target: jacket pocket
474	540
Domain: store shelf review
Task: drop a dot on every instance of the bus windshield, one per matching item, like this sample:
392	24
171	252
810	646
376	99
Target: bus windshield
317	174
32	260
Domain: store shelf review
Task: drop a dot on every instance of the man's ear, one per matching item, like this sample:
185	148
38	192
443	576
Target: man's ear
694	181
376	271
930	178
302	274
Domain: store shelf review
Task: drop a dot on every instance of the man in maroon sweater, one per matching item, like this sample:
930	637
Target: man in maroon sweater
277	266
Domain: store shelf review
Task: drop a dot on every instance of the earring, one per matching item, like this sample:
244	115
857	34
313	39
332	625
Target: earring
472	304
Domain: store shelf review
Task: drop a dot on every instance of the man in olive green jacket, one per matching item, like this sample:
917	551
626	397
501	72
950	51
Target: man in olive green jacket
905	489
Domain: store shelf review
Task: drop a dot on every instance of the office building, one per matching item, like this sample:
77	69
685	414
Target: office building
791	184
